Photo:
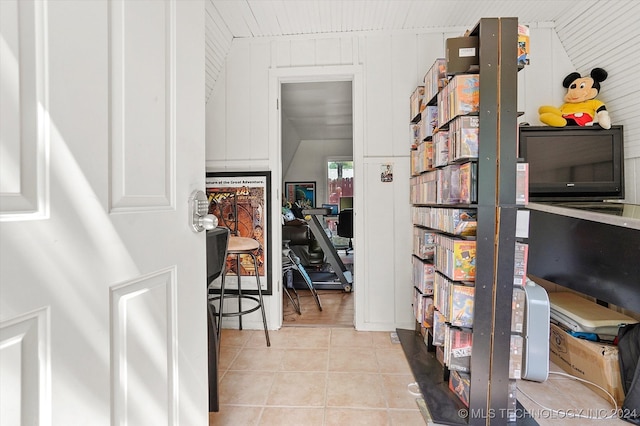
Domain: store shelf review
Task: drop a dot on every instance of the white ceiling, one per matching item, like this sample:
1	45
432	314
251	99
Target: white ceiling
266	18
309	106
318	111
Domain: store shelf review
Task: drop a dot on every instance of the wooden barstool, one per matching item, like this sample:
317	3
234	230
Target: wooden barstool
237	247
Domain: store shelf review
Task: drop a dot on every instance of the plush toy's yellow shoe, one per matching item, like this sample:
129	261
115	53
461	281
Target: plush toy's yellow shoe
553	120
549	109
551	116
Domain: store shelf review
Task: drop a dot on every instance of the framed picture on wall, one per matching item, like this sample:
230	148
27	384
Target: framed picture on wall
302	192
241	202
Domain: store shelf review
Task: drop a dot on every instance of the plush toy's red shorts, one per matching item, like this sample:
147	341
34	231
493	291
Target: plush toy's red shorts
581	118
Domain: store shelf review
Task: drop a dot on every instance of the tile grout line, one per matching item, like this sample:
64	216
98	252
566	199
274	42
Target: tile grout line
326	383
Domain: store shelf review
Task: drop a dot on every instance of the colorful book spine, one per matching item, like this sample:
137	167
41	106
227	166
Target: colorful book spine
439	328
416	103
441	149
520	261
424	243
423	275
517	310
429	121
468	183
458	349
435	79
515	357
462	303
524	45
461	96
522	183
456	258
464	134
460	384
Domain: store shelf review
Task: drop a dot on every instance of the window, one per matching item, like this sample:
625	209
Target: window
340	193
339	180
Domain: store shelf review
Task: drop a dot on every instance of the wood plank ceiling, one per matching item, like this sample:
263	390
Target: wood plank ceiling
229	19
589	29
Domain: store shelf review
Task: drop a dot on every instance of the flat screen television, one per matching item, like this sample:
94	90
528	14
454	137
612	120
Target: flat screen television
573	163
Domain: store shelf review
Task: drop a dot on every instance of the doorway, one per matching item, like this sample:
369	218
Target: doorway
317	132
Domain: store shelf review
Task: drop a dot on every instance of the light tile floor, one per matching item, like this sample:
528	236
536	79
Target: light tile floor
338	376
314	376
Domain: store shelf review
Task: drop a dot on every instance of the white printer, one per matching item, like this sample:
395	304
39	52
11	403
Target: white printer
584	318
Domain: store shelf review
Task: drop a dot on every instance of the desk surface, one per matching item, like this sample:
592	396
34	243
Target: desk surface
612	213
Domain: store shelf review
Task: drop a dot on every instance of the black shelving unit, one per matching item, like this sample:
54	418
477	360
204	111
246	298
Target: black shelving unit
495	239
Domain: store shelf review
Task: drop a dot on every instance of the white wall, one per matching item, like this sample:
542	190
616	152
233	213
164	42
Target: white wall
393	64
309	163
290	144
541	84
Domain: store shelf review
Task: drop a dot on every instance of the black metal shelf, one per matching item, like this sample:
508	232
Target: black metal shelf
444	407
496	207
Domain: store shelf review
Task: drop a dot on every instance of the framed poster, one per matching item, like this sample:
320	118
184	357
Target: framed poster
242	202
302	192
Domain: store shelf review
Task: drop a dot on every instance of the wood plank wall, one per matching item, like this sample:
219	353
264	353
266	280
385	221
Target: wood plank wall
393	64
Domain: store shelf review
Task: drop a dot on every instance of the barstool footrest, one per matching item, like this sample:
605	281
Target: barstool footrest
238	313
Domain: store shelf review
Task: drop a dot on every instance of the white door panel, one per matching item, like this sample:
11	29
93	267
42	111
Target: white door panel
23	129
98	262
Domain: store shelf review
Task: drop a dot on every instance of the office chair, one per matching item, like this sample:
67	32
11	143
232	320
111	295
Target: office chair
345	226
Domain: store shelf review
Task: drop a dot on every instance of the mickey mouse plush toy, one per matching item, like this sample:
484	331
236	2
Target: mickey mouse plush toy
580	107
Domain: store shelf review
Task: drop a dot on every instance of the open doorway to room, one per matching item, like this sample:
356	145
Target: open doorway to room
317	156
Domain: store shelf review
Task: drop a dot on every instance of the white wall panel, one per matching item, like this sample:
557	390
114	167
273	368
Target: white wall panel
25	370
403	69
143	345
430	46
590	42
303	52
632	179
282	53
402	234
238	93
257	104
217	43
24	133
349	50
631	147
216	117
142	122
328	51
547	62
380	271
378	92
289	144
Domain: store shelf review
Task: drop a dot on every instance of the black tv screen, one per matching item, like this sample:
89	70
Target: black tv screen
573	163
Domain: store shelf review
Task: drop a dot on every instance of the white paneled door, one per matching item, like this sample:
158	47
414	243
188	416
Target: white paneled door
102	293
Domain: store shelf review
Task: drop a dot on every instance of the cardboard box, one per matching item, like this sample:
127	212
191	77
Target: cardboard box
595	362
462	54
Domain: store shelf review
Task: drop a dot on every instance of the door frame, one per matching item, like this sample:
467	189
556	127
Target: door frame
277	77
